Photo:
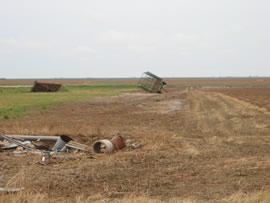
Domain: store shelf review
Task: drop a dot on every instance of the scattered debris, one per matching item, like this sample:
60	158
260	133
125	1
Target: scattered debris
132	144
14	146
45	87
63	143
34	137
103	146
109	146
77	146
118	142
60	144
17	143
10	190
151	83
43	159
135	146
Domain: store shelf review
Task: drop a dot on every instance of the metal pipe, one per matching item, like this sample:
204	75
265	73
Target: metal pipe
34	138
61	143
8	190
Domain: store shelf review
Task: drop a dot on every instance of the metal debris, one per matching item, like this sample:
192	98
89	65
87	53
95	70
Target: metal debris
77	146
34	137
103	146
60	144
151	83
14	146
118	142
109	146
132	144
63	143
18	143
135	146
10	190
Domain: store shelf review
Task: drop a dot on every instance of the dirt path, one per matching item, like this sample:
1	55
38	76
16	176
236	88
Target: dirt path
198	145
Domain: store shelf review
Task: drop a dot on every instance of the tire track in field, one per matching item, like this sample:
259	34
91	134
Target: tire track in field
223	119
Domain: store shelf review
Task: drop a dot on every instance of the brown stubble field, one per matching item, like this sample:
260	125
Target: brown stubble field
202	141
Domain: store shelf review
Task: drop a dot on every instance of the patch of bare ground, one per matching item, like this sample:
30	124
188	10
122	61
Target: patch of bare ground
196	146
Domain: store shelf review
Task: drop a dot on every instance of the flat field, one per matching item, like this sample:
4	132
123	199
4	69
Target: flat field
201	141
259	96
20	100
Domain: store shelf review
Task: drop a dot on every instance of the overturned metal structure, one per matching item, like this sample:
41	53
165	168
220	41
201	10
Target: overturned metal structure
45	87
151	83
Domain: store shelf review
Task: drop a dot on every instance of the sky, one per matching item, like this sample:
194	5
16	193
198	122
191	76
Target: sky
124	38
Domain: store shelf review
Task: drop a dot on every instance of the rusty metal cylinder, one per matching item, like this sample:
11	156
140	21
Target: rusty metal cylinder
103	146
118	142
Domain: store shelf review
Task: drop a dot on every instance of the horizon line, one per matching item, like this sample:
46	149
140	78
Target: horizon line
87	78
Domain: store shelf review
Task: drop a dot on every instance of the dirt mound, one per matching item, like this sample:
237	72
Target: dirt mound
45	87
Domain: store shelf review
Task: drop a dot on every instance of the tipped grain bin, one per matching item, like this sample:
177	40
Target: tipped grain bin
151	83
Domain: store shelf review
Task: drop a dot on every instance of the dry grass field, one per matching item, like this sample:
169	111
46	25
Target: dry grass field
202	141
259	96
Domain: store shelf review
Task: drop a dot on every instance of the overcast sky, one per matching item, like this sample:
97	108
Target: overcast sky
123	38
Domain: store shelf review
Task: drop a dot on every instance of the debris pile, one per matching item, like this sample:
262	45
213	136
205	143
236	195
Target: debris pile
63	143
45	87
58	146
151	83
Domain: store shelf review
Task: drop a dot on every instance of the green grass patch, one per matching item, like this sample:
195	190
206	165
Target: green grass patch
19	101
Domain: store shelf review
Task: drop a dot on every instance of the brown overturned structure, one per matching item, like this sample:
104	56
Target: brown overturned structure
45	87
151	83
